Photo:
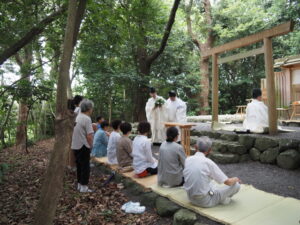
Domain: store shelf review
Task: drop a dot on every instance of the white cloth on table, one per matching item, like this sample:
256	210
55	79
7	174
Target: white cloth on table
142	154
256	117
112	147
157	117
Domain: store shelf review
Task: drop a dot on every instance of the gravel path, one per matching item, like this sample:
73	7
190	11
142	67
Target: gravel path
269	178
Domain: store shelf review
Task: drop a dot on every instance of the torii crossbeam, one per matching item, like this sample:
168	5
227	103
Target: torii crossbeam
265	36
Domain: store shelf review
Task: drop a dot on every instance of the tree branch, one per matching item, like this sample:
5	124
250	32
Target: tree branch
30	35
189	24
79	16
167	32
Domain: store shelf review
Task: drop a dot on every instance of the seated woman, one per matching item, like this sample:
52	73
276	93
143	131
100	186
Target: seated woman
112	142
124	146
100	141
171	161
143	162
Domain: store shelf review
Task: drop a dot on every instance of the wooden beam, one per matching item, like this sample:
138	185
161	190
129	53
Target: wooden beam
241	55
272	112
215	89
273	32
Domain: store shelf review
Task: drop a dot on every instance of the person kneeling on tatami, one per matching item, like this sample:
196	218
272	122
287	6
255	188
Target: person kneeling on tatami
198	173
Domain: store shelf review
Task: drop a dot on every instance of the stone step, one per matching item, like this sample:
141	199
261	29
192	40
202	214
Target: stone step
223	146
224	158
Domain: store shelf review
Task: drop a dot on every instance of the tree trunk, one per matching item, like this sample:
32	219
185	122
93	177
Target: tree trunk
53	181
144	65
21	127
21	133
202	47
3	125
204	71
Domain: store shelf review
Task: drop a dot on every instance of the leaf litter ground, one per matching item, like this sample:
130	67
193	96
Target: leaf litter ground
20	191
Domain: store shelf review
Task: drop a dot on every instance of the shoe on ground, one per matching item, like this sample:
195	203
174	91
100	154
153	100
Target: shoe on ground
129	204
78	187
85	189
226	201
135	209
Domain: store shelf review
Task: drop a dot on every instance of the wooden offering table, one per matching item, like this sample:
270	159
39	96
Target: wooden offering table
185	134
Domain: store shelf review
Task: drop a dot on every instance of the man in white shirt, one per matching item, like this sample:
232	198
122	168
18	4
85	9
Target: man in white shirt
156	112
113	141
198	173
256	114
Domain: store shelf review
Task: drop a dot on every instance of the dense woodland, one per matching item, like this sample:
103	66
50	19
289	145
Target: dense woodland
122	50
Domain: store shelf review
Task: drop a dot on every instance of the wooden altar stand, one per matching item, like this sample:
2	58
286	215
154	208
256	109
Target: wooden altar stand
185	129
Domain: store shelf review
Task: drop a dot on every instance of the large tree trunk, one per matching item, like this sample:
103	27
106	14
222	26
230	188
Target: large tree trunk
204	83
202	47
144	65
21	133
53	181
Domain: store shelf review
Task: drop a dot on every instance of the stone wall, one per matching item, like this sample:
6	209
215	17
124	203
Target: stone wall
234	148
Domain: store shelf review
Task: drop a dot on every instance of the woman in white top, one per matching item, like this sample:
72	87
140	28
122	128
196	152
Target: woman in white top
112	142
144	163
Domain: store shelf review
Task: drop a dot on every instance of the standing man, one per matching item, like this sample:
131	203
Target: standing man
156	112
176	110
198	173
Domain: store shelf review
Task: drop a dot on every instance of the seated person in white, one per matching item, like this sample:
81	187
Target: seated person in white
113	141
171	161
144	163
256	114
198	173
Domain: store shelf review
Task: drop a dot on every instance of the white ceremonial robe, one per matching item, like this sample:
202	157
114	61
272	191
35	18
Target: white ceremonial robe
157	117
256	117
176	112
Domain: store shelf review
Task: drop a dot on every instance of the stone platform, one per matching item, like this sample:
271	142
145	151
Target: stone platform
229	147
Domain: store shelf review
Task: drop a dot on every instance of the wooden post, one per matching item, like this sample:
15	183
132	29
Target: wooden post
270	86
215	89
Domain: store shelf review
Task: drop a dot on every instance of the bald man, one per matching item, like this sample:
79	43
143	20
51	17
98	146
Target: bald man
198	173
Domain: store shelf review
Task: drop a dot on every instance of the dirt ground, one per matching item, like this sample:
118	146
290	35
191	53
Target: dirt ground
20	191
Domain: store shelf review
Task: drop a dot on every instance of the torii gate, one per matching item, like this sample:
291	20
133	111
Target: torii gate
265	36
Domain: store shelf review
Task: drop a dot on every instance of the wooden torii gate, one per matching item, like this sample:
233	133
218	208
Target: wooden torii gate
265	36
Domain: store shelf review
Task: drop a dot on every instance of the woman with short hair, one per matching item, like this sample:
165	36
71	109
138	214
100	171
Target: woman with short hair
82	142
171	160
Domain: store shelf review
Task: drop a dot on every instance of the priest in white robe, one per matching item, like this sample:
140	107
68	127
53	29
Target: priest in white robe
156	113
256	120
176	110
